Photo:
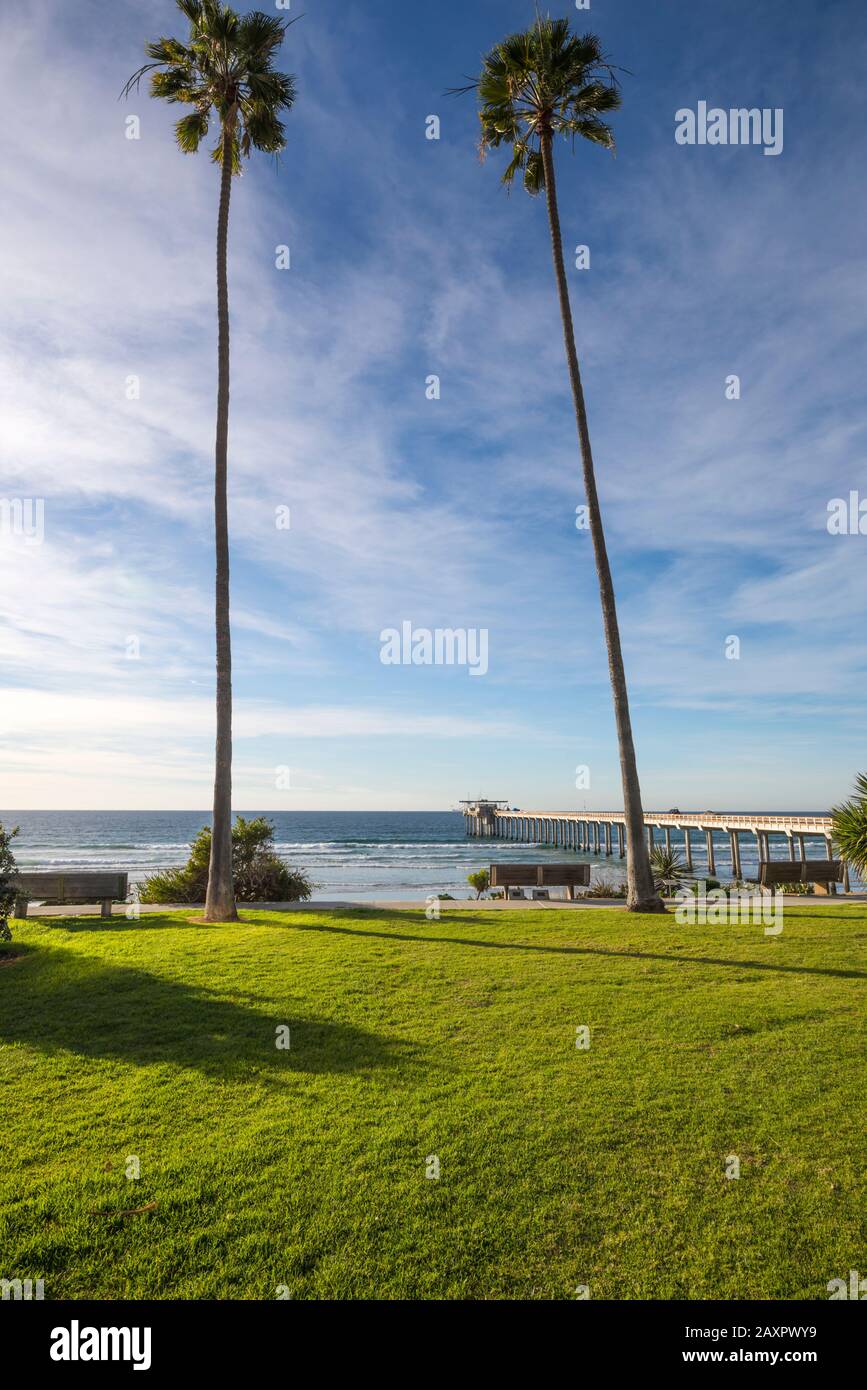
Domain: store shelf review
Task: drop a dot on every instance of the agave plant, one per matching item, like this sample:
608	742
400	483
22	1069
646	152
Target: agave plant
849	828
668	869
606	888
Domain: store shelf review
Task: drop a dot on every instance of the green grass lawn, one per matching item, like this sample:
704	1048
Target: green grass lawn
559	1167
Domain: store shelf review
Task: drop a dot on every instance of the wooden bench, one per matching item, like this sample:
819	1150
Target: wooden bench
74	887
820	872
568	876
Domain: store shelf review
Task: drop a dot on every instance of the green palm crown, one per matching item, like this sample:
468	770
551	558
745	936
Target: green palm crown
849	827
541	83
226	69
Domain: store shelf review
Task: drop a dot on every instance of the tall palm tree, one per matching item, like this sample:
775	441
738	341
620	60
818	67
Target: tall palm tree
225	72
533	87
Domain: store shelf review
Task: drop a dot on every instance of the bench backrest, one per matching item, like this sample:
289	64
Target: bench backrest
800	871
75	886
540	875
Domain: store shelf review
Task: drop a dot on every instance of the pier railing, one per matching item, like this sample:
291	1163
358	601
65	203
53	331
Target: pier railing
816	825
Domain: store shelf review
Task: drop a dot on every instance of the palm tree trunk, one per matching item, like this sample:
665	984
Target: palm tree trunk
641	894
220	901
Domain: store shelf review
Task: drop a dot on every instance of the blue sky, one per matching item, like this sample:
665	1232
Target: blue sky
408	260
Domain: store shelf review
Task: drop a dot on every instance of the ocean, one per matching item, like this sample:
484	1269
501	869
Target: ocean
358	855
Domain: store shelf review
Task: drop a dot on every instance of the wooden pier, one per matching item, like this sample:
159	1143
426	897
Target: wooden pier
604	832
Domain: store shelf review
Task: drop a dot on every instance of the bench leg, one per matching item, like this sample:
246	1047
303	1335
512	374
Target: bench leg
106	908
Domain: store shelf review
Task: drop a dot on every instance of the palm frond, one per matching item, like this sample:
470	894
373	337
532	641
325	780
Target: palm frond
275	89
191	130
472	85
217	154
133	83
534	174
261	34
589	128
221	23
262	130
594	98
517	163
849	827
175	84
192	9
168	51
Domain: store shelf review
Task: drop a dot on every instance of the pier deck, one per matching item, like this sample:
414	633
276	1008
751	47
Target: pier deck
597	831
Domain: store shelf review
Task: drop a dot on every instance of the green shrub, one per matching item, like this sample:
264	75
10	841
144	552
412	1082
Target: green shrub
704	886
258	873
8	874
480	880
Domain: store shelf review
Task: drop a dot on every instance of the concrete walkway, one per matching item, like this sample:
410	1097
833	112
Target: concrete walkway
419	905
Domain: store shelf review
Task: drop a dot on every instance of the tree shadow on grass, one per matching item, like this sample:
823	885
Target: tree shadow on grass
155	921
12	951
672	958
61	1003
